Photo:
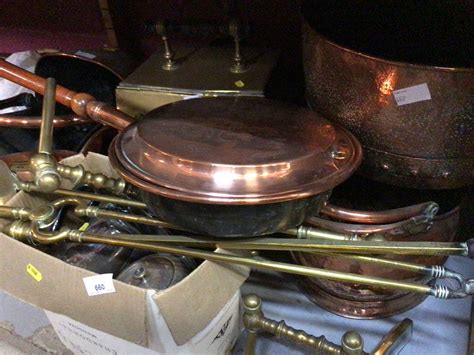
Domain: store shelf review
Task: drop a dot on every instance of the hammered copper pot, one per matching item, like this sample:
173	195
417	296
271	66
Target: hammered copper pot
400	76
359	301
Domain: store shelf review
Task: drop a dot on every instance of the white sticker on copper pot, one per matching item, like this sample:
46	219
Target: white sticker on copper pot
412	94
99	284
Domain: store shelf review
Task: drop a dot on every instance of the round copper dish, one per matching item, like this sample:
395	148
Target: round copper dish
234	166
359	301
235	151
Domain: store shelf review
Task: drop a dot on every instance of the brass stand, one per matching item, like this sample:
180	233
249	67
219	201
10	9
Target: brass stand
351	342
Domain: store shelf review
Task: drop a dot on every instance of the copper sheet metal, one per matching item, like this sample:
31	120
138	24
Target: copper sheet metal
427	144
236	151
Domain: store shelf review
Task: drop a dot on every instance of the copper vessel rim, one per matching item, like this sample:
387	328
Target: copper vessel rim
245	199
387	61
76	56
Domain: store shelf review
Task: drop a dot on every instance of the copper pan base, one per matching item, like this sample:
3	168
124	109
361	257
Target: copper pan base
354	309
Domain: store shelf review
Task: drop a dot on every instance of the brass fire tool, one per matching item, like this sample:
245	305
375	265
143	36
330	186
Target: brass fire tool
48	175
351	342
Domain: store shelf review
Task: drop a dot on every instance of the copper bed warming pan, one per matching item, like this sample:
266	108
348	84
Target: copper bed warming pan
434	222
392	74
98	72
222	166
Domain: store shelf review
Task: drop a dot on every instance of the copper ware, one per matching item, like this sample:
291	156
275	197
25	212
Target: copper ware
209	164
351	342
357	301
357	54
30	226
99	72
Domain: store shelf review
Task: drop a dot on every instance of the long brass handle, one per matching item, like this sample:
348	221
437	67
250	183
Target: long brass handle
45	144
84	105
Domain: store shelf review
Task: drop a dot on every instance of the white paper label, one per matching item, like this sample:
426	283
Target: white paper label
412	94
86	54
81	339
99	284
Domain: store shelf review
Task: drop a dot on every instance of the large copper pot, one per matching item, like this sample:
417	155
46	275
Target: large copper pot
357	56
358	301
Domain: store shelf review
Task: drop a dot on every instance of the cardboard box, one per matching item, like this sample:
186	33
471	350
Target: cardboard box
201	314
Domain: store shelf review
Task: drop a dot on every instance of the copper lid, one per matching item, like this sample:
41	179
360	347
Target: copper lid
235	151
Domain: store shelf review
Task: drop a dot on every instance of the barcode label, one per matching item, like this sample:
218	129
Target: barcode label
412	94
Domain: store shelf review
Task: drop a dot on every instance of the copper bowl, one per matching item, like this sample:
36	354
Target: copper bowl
359	301
358	54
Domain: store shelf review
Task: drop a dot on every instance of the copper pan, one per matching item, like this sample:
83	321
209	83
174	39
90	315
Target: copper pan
110	66
357	56
238	166
357	301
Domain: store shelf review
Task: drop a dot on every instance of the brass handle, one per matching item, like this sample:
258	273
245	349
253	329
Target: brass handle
84	105
45	144
379	217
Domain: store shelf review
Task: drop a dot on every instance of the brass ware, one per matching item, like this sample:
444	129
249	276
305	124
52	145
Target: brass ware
45	144
351	342
19	163
43	216
170	64
204	72
100	198
354	65
239	66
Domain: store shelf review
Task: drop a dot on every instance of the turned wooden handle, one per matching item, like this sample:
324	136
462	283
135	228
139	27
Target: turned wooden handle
83	105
